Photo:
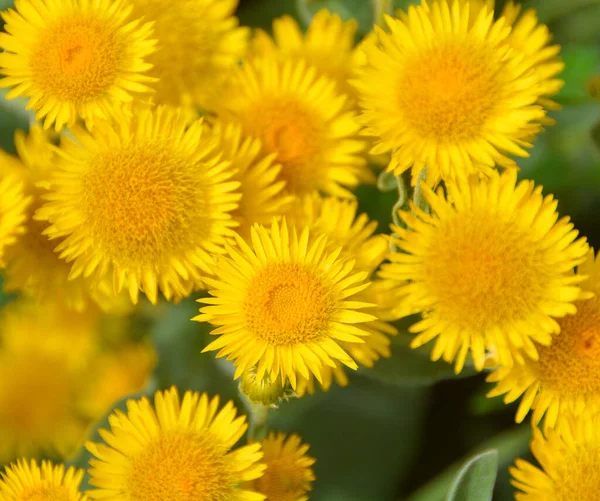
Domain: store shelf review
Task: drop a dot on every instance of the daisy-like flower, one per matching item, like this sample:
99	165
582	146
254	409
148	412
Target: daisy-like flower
299	115
289	470
568	457
328	45
565	378
74	57
199	43
146	198
26	480
32	265
44	356
262	191
491	269
285	305
176	450
13	204
445	88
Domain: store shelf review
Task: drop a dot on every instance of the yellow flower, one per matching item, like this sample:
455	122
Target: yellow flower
25	480
262	192
289	470
569	459
328	45
298	114
566	378
492	268
145	197
176	451
43	363
285	305
199	43
13	204
446	89
74	57
32	266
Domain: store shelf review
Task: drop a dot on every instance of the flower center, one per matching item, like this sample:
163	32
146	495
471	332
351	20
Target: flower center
145	202
577	475
287	304
53	493
571	364
181	466
281	481
448	93
289	130
77	58
484	272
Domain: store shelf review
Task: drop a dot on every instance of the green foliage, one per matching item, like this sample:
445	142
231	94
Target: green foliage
476	479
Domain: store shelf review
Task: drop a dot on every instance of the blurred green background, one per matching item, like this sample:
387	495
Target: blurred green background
401	431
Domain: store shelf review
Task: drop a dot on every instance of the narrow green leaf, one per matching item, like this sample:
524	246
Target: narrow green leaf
552	10
475	481
361	10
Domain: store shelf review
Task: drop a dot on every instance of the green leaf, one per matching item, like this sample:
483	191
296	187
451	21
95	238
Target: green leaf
475	481
361	10
552	10
408	366
581	63
509	445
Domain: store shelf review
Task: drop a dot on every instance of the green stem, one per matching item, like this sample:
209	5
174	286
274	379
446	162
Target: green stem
258	422
418	198
380	9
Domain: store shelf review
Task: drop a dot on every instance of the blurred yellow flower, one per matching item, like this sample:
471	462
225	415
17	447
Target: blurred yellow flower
262	191
285	304
445	88
199	43
566	378
328	44
299	115
146	198
25	480
74	57
289	470
568	457
490	267
176	450
13	204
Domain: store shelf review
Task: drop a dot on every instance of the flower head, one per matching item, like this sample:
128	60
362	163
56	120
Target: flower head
569	459
13	204
289	470
74	57
178	450
328	45
199	43
446	89
26	480
299	115
491	267
285	305
258	175
145	198
32	265
566	377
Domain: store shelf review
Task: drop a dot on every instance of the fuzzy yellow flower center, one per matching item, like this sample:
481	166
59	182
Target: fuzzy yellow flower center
77	58
576	475
448	93
282	480
180	466
145	201
291	131
53	493
571	364
287	304
484	272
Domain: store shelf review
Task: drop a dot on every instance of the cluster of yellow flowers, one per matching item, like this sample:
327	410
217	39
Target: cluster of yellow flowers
200	156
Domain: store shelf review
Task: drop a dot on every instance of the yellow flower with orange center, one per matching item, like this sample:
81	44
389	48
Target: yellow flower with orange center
565	378
146	198
13	204
285	304
74	58
289	470
491	267
568	460
25	480
299	115
199	44
178	450
446	88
